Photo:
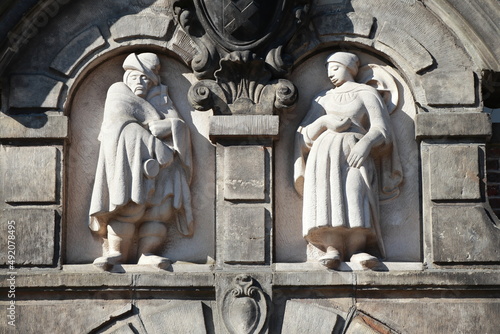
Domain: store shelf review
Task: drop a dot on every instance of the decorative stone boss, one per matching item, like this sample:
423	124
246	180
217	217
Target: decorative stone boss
346	161
144	168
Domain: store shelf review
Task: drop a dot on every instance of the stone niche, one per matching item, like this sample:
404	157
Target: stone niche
247	267
86	114
400	217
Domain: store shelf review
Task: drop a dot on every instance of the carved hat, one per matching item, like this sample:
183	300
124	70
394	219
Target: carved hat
349	60
147	63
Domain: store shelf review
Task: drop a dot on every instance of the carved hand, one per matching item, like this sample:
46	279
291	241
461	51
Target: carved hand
336	123
358	154
160	128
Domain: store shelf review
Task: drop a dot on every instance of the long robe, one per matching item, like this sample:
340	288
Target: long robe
121	187
335	194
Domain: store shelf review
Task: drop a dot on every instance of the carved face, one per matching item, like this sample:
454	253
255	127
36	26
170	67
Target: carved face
139	83
338	74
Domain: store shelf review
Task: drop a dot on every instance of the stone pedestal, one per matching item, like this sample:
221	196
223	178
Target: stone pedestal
244	160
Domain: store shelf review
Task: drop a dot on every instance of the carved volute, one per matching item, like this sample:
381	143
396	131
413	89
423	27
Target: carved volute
240	59
244	307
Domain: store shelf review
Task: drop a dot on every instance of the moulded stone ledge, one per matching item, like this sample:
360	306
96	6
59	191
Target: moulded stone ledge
174	280
75	276
347	266
407	279
430	278
87	276
430	125
322	277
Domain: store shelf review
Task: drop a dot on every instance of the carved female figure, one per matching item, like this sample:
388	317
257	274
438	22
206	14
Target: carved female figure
344	158
144	168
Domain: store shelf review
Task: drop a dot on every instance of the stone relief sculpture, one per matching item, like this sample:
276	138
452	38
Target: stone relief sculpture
244	306
346	162
144	168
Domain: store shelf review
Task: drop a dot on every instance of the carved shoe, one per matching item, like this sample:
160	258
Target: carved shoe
154	260
331	259
106	263
366	260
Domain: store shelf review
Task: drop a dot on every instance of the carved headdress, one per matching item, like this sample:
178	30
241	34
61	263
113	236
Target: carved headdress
349	60
147	63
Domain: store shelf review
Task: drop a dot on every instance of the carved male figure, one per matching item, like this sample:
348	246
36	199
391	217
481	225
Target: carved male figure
144	168
341	146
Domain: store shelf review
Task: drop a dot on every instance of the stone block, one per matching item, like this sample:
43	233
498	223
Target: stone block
183	279
34	91
463	234
174	317
244	173
452	125
344	23
435	315
34	126
449	87
467	19
365	324
65	316
319	319
34	235
454	172
406	46
438	279
141	26
29	174
244	126
244	229
77	49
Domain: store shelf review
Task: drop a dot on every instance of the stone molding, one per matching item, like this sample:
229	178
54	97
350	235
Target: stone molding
203	277
438	51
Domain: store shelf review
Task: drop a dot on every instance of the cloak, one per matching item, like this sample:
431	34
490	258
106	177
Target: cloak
126	143
323	177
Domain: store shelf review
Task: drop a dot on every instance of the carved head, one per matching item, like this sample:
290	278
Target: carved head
342	67
141	72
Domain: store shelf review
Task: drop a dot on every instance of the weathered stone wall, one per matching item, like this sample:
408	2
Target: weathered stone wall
441	272
493	176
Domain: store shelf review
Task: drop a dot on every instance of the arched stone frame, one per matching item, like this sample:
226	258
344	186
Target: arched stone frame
85	116
447	116
401	229
79	56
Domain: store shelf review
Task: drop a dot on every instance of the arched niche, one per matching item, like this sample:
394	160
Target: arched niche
85	112
400	217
